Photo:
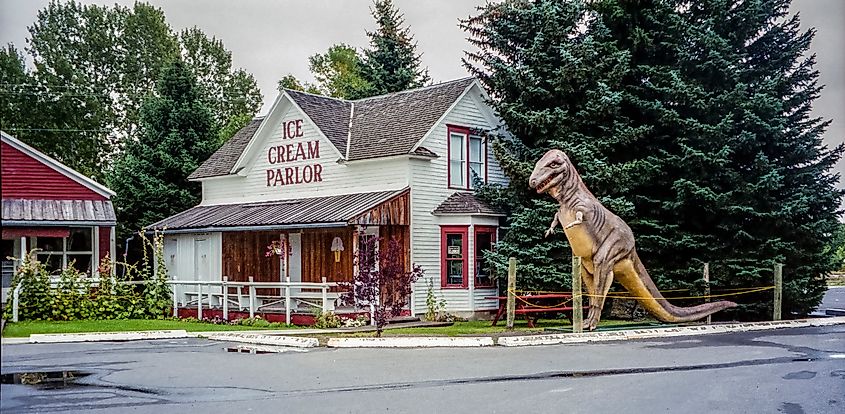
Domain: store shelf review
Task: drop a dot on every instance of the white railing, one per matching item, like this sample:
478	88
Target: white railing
327	298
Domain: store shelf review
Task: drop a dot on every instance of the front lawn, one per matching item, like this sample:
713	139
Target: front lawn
484	328
25	328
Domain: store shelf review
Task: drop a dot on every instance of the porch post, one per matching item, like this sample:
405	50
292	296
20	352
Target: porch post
199	301
225	298
175	303
251	298
95	253
325	289
287	299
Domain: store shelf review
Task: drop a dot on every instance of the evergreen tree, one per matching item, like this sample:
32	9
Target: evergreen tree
392	63
690	120
177	134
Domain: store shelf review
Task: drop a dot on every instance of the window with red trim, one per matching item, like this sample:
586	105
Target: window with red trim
485	239
467	157
453	252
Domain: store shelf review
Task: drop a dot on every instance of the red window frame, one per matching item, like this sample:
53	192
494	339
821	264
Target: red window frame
467	132
491	230
444	260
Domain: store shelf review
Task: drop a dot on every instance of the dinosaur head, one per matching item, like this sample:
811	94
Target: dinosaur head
550	171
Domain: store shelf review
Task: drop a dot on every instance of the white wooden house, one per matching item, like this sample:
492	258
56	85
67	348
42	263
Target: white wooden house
317	171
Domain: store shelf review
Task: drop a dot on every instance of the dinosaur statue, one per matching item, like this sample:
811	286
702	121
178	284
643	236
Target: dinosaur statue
605	243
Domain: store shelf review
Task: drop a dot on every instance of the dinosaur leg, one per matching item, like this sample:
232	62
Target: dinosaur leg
603	261
603	279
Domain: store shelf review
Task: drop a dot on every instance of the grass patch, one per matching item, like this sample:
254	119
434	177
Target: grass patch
836	279
26	328
473	328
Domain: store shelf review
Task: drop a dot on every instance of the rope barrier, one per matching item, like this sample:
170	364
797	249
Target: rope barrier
735	292
534	305
687	297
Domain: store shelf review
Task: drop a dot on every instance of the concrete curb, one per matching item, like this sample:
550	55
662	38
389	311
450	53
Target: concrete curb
105	336
556	339
410	342
258	339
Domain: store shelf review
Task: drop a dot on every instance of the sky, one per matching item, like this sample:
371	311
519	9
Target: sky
273	38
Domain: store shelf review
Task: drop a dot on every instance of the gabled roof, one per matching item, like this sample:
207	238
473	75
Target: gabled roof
330	115
323	211
379	126
56	165
393	124
465	204
222	161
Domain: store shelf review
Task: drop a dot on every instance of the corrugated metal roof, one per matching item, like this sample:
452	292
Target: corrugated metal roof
58	211
317	210
381	126
465	203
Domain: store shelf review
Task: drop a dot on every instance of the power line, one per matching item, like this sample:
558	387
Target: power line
58	130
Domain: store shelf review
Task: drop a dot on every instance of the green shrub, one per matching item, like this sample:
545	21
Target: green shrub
326	320
73	296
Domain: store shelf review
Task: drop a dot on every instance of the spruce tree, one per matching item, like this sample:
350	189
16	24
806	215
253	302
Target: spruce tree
690	120
392	63
177	134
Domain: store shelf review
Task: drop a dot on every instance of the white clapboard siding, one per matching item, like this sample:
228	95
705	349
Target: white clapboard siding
429	188
337	178
183	266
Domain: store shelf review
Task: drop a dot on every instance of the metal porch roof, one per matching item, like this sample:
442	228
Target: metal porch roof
304	212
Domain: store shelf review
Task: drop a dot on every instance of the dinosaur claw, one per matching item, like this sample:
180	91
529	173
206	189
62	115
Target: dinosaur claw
549	232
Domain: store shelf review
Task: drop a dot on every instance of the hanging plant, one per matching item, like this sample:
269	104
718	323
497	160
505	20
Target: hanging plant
276	248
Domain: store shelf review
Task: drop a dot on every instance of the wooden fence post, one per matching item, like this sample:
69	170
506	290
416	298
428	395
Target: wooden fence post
778	302
511	304
577	307
707	288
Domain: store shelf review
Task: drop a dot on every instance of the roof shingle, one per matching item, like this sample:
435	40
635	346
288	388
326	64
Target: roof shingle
222	161
465	203
381	126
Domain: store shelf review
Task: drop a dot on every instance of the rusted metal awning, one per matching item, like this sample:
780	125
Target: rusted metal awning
377	208
19	212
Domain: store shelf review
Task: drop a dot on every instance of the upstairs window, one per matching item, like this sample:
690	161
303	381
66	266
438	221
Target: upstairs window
467	157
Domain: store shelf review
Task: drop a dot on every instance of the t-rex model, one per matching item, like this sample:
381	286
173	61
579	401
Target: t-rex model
605	243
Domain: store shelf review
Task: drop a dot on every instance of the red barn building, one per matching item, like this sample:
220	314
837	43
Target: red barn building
66	216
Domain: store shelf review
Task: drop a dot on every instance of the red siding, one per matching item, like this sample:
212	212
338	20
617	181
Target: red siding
26	177
105	242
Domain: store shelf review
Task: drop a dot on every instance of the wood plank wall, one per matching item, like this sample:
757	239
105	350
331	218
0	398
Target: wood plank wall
395	211
243	256
318	259
403	235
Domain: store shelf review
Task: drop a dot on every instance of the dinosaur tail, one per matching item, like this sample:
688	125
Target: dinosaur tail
641	286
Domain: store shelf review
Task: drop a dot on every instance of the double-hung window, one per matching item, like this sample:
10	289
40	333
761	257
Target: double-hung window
454	261
467	157
76	249
485	238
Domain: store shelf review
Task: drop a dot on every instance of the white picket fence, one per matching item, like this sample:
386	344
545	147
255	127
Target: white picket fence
245	297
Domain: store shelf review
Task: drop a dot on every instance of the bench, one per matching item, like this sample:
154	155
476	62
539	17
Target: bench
532	304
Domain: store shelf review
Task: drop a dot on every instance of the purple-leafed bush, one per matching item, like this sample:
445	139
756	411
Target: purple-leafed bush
381	280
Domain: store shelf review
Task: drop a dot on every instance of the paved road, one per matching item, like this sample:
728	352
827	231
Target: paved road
789	371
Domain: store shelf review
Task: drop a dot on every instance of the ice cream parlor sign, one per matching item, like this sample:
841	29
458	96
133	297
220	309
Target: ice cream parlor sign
292	150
